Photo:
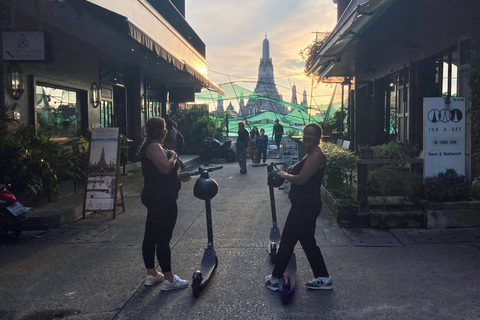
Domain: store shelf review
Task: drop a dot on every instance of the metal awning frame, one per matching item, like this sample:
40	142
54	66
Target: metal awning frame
359	15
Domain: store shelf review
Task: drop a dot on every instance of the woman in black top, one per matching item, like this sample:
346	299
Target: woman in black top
306	177
162	182
241	145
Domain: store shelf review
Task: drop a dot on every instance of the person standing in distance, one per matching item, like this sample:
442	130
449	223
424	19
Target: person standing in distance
162	182
277	133
262	145
306	178
241	145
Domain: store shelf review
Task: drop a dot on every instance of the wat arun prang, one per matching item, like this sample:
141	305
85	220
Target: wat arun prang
266	87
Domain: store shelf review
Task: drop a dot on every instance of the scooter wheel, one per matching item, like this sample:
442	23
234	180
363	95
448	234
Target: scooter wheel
273	252
286	291
197	283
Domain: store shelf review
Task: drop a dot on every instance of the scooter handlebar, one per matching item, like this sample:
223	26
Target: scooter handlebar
200	170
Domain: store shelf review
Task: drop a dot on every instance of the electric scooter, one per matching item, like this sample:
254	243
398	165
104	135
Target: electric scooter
12	215
287	282
273	181
205	189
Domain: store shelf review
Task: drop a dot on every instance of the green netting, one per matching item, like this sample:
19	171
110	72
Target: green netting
295	120
234	92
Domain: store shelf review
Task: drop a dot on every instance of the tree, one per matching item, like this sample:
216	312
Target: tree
195	124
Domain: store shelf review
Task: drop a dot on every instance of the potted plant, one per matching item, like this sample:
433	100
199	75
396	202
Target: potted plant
339	182
391	150
447	203
400	186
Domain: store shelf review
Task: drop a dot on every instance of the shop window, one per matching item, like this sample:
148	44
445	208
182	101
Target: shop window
447	69
106	113
59	111
106	107
153	107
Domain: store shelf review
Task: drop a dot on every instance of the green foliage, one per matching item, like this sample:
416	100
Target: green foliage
386	182
446	187
310	52
339	173
291	133
391	150
195	124
474	111
335	126
34	164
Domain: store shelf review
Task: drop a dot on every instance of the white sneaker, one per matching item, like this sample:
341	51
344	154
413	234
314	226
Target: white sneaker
151	280
176	284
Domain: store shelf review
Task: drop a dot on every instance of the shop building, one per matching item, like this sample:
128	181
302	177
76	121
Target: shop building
390	55
71	65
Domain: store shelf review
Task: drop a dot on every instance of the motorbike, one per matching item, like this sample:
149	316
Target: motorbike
211	148
12	215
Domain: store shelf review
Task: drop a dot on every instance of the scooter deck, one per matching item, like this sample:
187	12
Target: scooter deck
209	262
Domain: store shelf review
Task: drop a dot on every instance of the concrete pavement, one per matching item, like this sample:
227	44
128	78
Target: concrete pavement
92	268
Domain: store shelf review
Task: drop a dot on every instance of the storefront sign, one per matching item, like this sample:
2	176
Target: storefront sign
444	136
23	45
102	181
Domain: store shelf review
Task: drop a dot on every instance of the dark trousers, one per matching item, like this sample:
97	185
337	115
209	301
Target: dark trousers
278	139
300	226
161	220
259	155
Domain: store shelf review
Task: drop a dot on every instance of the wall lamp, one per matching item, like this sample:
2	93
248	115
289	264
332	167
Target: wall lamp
95	95
16	82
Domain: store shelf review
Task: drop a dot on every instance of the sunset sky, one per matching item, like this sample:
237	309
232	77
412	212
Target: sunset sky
233	32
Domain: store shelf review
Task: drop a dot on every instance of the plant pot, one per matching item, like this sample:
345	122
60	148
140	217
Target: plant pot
475	189
362	220
366	154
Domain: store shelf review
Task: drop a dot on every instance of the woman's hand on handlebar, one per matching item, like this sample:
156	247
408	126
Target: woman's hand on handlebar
184	176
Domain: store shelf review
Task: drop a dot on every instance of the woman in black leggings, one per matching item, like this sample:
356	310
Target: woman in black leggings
306	177
162	182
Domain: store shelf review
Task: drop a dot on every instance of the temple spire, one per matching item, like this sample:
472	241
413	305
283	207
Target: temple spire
266	48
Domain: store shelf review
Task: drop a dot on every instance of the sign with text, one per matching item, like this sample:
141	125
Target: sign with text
444	135
23	45
102	181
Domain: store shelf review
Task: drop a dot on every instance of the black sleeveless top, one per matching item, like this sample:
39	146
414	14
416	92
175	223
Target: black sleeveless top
156	184
309	190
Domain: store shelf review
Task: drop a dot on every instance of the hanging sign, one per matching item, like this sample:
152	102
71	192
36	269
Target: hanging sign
444	136
102	181
23	45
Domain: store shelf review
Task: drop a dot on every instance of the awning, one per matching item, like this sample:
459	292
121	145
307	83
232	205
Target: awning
122	24
358	16
149	43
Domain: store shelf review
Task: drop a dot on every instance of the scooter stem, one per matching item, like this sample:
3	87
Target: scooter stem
209	223
272	197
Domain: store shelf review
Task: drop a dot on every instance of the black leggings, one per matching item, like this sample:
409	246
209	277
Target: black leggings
161	220
300	226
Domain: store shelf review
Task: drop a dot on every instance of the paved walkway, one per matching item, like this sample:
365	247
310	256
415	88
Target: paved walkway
92	268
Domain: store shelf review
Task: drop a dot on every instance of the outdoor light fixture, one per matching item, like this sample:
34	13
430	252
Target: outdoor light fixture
95	95
17	84
143	104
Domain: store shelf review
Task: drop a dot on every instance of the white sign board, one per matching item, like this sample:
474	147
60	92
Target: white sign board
444	136
102	170
23	45
290	152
